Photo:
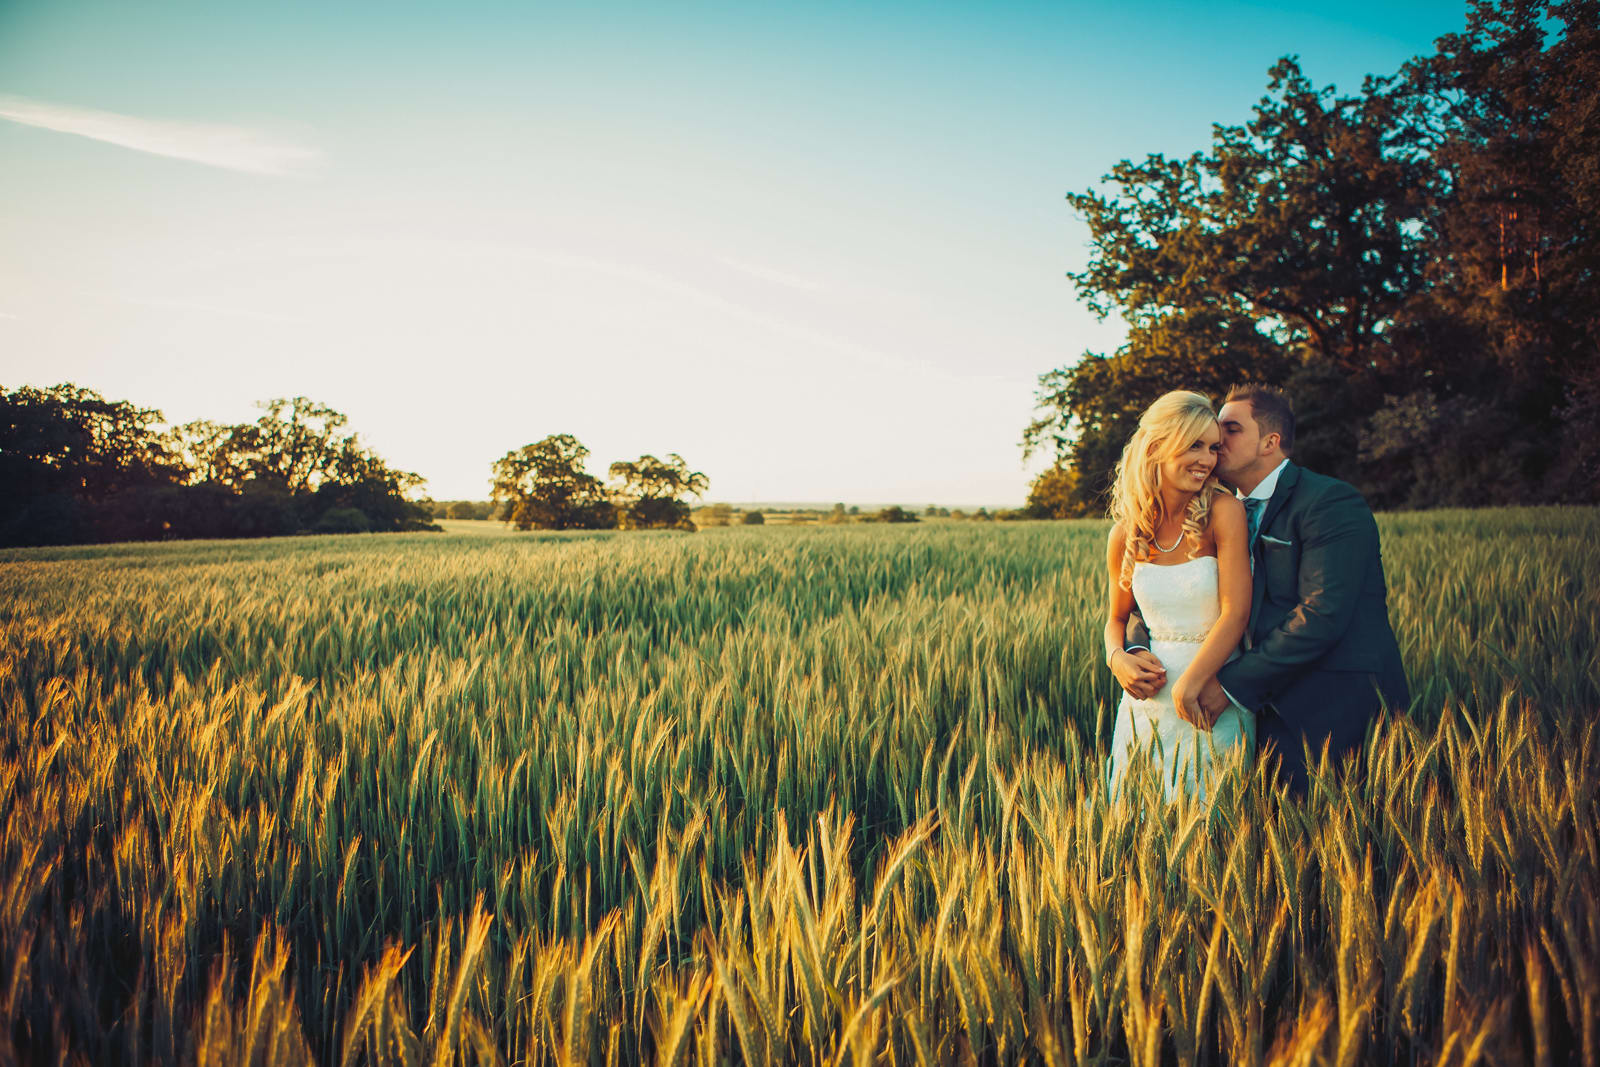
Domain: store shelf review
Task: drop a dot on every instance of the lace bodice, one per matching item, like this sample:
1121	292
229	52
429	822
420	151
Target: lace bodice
1179	601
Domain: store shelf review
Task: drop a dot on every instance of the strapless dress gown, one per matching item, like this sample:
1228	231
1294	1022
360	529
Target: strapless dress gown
1180	604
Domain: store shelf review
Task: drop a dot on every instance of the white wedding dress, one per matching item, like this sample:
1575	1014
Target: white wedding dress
1179	603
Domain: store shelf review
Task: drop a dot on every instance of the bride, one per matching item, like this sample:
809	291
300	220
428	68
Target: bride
1179	556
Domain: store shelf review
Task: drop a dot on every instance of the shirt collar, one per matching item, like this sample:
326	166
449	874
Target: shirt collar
1268	484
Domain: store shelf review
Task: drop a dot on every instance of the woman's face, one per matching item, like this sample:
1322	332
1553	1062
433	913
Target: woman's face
1188	470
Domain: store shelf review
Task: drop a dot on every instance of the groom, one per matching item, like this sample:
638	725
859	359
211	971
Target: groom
1320	660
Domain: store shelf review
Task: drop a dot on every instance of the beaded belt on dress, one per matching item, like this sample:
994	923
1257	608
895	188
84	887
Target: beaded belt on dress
1175	635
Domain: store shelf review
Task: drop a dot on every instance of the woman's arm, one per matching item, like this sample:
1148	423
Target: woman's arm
1231	532
1139	674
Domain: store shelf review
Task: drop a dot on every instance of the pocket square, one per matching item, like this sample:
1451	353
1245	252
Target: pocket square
1269	539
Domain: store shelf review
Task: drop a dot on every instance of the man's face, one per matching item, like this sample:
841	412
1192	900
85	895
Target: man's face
1241	438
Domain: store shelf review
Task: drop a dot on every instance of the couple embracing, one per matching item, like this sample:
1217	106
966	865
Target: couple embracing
1247	601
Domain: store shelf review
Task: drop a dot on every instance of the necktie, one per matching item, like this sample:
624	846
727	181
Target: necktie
1252	513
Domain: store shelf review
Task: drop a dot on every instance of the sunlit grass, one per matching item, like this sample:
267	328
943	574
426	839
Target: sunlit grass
766	795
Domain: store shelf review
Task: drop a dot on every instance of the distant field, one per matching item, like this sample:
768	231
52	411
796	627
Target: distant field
487	527
763	795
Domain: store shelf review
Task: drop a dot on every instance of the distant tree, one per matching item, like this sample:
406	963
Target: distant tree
855	509
465	509
717	515
211	452
957	513
358	478
647	492
296	443
837	516
544	486
982	515
69	439
67	458
753	518
895	514
461	509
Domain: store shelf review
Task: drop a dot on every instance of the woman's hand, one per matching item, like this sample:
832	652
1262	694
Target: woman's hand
1186	698
1139	673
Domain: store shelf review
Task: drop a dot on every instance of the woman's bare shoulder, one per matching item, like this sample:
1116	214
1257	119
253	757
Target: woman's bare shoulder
1227	514
1227	504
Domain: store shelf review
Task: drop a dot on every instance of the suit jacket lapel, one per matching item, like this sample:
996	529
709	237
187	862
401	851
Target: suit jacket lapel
1280	495
1258	576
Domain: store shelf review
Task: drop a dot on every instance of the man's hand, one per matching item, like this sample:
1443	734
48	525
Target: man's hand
1139	672
1212	701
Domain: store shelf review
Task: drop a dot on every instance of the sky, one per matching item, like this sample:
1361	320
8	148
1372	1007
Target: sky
818	249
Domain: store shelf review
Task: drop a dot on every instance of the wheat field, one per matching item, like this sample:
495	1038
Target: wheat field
782	795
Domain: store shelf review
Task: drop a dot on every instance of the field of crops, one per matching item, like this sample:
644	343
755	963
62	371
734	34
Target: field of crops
783	795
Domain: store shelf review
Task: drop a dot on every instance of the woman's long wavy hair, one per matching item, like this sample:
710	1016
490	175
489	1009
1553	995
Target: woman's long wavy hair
1166	430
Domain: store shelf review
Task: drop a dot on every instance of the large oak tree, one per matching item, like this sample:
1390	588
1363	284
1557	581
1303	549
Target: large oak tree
1415	262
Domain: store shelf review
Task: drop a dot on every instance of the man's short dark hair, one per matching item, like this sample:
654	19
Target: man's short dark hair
1270	408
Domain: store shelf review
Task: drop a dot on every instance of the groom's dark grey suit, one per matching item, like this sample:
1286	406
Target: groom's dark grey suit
1320	658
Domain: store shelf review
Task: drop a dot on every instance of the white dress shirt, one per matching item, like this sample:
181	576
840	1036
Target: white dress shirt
1268	484
1262	491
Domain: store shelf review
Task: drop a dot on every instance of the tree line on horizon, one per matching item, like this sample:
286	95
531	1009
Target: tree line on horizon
725	514
1415	263
77	468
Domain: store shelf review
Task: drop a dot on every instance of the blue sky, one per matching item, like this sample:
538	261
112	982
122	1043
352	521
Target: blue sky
817	249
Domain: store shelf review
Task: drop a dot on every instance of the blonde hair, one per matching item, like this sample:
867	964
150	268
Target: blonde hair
1166	430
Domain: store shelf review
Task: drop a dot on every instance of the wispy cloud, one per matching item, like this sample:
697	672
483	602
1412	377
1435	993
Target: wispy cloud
768	274
214	144
856	352
211	309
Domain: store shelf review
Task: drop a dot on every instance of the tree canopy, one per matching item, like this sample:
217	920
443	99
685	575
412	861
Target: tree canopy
648	490
544	485
1414	262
